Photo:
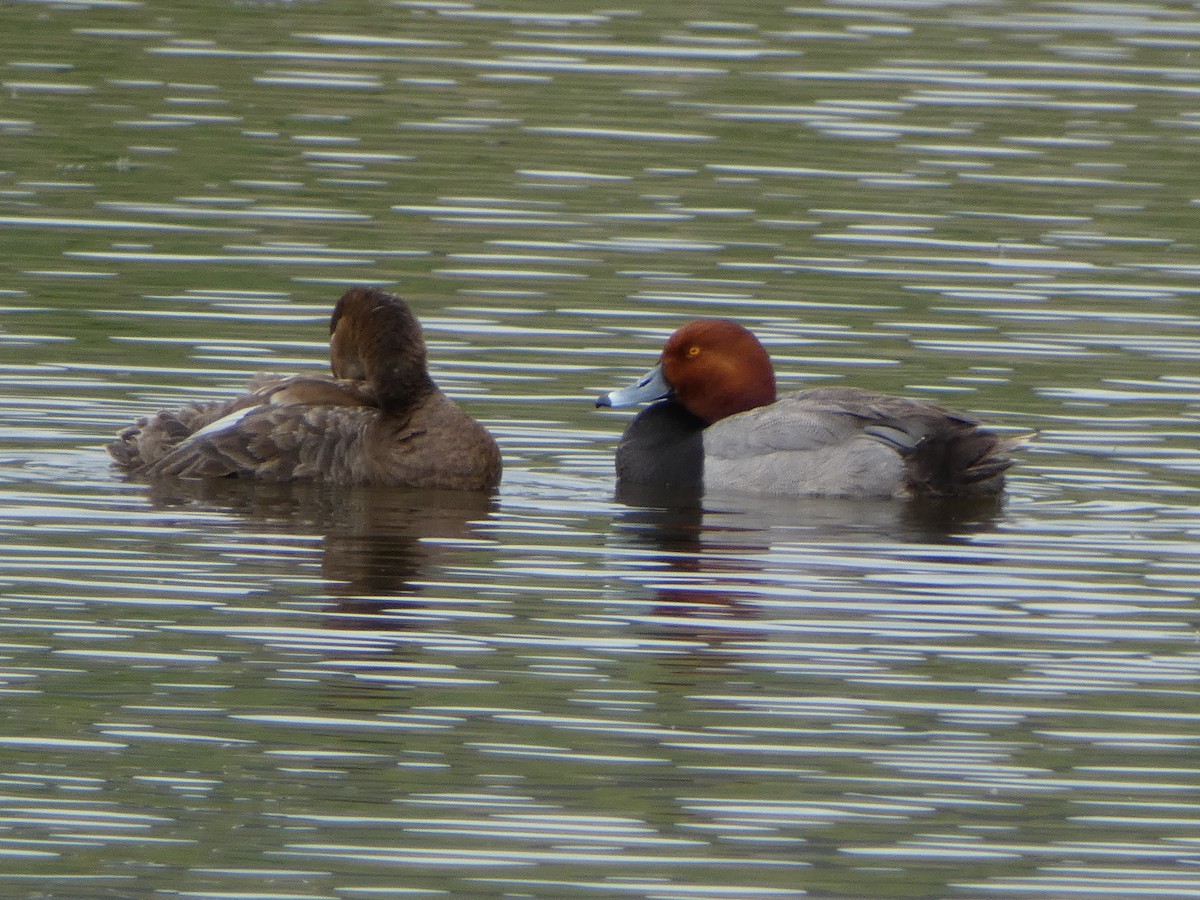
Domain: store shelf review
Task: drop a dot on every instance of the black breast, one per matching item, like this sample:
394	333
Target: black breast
661	450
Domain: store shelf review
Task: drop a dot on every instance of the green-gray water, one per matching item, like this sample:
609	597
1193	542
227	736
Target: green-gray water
229	691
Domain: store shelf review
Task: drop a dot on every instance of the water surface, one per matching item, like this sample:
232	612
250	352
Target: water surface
233	690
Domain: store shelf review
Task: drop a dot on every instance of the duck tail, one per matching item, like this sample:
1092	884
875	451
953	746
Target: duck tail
148	440
151	438
966	462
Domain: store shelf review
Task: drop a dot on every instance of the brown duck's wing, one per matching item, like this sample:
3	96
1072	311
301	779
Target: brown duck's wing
151	438
271	442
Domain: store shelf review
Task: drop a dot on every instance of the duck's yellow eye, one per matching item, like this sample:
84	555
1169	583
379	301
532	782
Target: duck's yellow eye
693	350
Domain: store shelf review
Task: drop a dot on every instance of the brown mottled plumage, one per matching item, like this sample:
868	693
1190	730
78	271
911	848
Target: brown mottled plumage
378	420
721	427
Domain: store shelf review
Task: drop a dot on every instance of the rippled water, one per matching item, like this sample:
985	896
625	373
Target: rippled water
272	692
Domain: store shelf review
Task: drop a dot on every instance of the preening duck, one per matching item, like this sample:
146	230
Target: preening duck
378	419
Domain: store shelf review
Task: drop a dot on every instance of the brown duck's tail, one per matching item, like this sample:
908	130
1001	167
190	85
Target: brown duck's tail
151	438
961	461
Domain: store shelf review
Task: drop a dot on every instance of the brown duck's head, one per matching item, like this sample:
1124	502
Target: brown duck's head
374	337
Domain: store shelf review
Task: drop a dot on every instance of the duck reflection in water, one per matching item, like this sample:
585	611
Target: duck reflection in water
711	568
731	535
379	547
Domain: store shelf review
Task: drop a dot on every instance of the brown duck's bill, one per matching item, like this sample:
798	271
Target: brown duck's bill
651	386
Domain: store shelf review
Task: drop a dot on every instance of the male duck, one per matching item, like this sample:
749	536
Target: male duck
379	420
722	427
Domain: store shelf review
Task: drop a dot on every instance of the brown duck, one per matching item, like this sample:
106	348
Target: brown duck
379	420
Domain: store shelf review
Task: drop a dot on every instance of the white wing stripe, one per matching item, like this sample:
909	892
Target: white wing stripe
222	424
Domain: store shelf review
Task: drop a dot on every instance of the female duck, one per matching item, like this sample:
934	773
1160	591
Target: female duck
379	420
722	427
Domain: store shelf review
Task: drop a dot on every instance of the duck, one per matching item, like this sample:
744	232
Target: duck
377	419
717	425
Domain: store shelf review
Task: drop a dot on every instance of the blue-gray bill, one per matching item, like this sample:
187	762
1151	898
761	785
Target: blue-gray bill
651	386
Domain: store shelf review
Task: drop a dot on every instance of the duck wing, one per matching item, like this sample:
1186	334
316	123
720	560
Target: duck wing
150	438
274	442
276	431
944	453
